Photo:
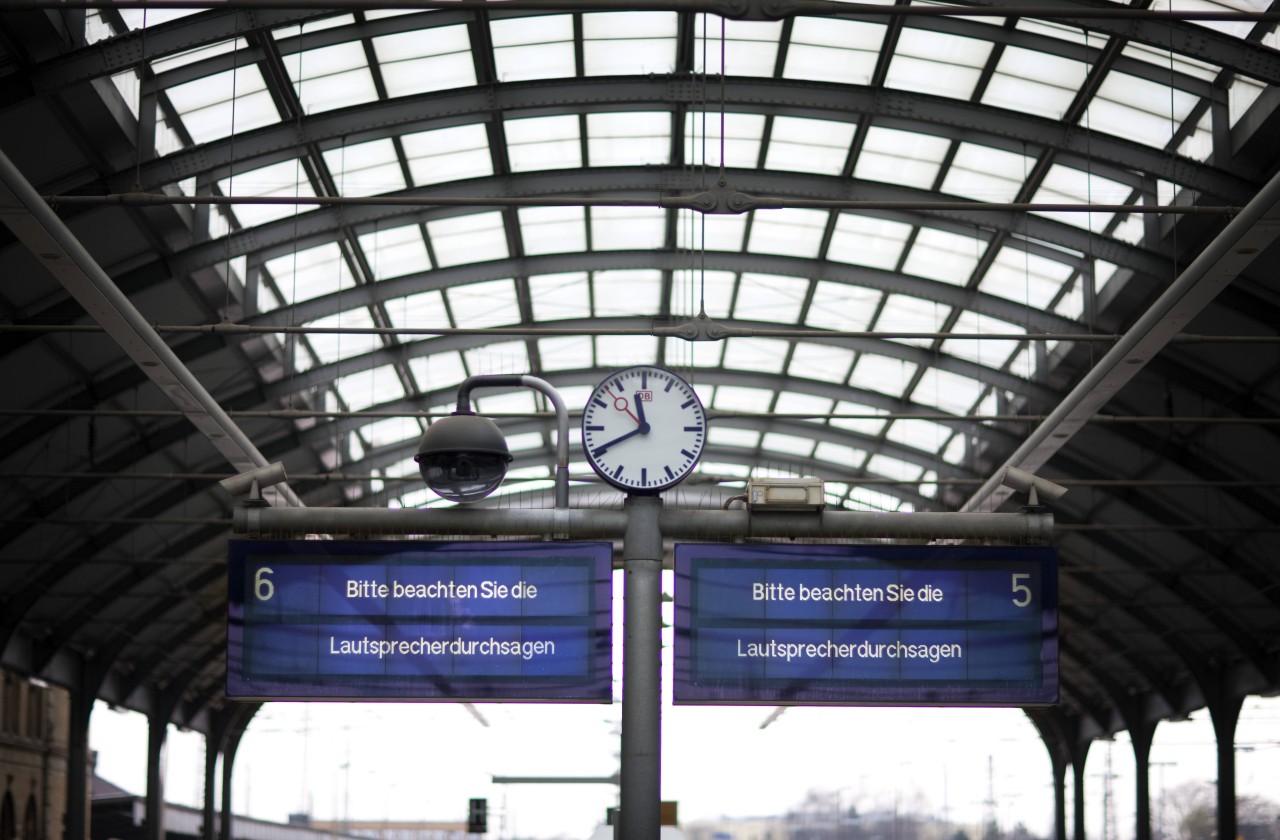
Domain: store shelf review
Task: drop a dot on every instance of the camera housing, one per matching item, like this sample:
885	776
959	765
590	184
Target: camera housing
1039	490
463	457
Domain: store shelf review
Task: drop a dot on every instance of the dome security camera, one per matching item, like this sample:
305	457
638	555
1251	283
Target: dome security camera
463	457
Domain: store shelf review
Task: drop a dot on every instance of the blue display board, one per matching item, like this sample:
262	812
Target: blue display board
312	619
866	625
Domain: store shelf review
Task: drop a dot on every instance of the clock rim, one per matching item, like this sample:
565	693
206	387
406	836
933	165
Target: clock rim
641	491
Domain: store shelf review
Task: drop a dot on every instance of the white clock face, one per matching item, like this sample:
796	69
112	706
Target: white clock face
643	429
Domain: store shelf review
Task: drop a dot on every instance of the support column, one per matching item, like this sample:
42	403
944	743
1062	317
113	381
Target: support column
1142	735
641	776
208	808
157	733
1059	796
1225	713
1079	755
235	731
76	820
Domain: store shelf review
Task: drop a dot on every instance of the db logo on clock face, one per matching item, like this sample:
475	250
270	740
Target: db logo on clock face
643	429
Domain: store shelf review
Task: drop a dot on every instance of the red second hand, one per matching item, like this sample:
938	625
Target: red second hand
625	406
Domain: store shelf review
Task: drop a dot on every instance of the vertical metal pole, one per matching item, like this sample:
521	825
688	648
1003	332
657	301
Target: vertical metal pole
641	775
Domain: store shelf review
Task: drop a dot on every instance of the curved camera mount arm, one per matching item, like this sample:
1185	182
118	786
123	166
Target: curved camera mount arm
504	380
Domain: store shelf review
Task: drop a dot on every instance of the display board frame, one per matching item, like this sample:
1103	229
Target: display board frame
822	625
420	621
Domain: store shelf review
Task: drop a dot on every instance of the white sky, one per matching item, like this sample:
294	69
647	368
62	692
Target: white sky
376	761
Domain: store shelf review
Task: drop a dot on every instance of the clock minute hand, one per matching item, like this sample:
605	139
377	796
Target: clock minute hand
642	429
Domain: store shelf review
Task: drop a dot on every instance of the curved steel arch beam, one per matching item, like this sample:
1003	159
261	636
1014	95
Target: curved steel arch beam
956	119
394	288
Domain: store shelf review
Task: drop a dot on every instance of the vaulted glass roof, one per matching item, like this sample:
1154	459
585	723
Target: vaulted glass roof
932	284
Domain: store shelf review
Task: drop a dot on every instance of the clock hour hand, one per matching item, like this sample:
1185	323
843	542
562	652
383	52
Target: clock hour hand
642	429
640	412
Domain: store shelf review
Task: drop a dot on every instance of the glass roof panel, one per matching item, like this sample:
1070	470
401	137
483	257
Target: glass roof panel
631	138
944	256
215	106
894	468
906	314
1166	60
750	47
534	47
138	18
310	273
567	353
719	434
1241	95
617	228
396	252
793	232
1199	144
866	240
882	373
770	297
366	169
553	230
519	401
476	237
627	292
925	435
285	179
990	352
440	371
859	425
821	361
946	390
369	387
1031	82
448	154
763	355
694	290
628	43
391	431
721	232
792	402
742	137
1063	184
839	306
901	157
543	143
560	296
1072	303
838	455
830	50
739	398
331	347
1237	28
618	351
937	63
774	442
502	357
330	77
800	144
986	174
423	310
412	64
491	303
1138	110
1026	278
